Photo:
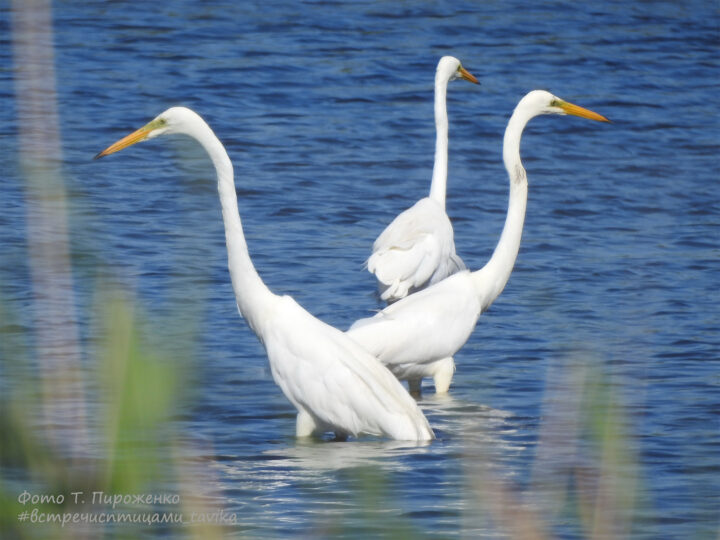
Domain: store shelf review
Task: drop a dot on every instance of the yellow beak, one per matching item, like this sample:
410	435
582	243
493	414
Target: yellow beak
576	110
465	74
135	137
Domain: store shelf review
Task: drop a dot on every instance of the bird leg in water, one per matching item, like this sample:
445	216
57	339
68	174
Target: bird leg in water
415	387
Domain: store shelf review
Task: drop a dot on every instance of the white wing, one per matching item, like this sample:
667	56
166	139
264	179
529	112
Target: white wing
426	326
414	251
342	386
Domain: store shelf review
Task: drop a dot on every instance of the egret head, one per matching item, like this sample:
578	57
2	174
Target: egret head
543	102
173	120
449	68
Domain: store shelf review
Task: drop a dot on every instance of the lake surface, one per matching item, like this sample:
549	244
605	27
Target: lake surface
586	402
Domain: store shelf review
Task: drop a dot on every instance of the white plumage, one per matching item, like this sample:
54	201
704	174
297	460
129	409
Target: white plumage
417	335
334	383
414	251
417	248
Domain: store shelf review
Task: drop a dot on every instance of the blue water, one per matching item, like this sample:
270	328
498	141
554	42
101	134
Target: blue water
326	110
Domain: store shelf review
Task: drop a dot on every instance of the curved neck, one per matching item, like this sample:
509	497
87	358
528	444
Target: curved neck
250	292
491	279
438	186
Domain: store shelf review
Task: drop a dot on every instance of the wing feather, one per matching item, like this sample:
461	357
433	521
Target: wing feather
337	381
415	250
424	327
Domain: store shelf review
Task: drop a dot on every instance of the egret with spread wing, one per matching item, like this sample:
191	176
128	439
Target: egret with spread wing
416	333
331	380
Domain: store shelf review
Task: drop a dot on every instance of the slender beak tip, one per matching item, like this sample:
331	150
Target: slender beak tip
465	74
135	137
575	110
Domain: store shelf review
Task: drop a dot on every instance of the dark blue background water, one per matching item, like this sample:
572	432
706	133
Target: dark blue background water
326	110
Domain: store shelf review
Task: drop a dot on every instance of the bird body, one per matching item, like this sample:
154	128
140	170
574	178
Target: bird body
417	248
334	383
408	331
414	334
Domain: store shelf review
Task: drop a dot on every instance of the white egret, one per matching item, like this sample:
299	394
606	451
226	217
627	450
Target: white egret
417	248
333	382
417	333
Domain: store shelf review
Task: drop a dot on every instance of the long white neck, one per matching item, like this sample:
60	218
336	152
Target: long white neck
491	279
438	186
251	294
